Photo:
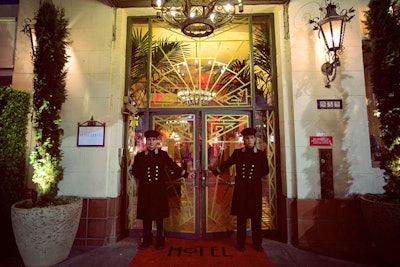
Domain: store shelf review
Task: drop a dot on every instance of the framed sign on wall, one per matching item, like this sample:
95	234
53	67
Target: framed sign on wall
91	133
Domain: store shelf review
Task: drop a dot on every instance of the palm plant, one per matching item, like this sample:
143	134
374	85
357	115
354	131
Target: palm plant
139	57
164	55
239	70
263	60
236	74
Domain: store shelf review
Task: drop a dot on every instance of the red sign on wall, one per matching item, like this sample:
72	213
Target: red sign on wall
321	141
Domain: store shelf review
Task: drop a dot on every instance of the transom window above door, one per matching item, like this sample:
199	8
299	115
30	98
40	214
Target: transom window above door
169	69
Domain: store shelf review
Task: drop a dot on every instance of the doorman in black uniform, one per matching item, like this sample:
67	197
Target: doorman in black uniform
150	168
251	166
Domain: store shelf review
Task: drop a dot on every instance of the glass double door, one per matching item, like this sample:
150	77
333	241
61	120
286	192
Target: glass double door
198	142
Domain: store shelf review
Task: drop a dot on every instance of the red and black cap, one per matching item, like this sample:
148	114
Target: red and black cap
151	133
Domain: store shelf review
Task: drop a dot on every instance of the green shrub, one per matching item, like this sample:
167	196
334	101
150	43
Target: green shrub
383	24
14	110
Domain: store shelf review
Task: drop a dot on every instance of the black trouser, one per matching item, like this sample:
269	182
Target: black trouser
255	230
148	236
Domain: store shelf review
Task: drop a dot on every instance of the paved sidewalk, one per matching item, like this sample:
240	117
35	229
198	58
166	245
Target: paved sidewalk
280	254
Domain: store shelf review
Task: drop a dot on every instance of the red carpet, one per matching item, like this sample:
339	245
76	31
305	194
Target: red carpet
200	253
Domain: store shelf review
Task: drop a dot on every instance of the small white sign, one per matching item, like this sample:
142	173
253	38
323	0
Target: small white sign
91	135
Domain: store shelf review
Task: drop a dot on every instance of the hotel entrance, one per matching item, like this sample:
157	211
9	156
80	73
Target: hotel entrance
199	94
198	142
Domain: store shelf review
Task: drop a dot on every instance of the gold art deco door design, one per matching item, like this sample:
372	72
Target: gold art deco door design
265	125
230	71
177	138
223	137
182	71
201	206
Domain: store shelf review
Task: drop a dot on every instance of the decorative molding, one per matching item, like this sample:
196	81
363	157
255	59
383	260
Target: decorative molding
147	3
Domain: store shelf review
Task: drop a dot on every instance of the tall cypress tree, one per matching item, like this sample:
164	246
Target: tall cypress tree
48	97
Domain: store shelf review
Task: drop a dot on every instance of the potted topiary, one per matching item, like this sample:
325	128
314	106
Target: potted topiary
382	211
45	227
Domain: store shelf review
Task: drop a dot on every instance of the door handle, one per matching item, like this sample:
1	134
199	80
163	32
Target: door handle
204	177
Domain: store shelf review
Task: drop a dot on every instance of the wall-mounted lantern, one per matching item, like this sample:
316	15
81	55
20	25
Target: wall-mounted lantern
332	28
29	29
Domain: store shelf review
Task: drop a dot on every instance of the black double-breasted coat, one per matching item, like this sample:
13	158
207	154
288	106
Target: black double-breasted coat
150	169
251	166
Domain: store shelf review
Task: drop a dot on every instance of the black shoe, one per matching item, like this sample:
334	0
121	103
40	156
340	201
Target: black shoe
241	248
144	245
259	248
160	246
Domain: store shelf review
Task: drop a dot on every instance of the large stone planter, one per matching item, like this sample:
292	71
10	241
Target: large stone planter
383	222
45	235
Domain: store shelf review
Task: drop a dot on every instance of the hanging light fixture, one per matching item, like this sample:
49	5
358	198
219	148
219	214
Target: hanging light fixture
196	97
197	18
332	28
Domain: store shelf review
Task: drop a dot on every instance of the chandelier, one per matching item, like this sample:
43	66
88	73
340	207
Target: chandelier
197	18
196	97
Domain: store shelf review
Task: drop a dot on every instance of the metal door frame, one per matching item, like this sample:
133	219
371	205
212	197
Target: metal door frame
196	113
205	172
200	182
